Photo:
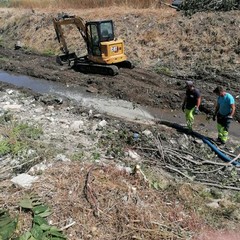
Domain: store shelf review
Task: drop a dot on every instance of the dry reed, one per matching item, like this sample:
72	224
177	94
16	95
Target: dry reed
83	4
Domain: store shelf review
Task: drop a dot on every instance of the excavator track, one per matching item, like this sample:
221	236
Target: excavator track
86	67
125	64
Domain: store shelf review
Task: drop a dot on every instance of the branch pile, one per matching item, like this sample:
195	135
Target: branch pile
195	163
192	6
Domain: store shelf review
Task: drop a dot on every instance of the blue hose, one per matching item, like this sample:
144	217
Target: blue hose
223	156
206	140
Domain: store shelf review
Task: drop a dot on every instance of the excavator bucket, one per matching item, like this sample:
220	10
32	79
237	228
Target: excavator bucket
66	58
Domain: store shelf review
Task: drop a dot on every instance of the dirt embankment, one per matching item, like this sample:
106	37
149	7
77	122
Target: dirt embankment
166	47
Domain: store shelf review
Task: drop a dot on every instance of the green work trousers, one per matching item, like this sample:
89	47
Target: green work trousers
222	133
223	124
189	114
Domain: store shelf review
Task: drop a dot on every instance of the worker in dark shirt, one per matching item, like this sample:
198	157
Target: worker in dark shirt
191	103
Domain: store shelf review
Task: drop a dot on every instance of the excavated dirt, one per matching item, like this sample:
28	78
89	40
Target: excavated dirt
137	85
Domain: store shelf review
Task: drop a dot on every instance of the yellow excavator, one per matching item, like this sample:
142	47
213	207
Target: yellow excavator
105	53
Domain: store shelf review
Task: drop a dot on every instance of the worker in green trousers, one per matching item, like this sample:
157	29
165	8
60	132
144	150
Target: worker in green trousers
224	111
191	103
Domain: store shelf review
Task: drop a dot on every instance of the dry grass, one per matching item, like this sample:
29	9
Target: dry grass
108	203
83	4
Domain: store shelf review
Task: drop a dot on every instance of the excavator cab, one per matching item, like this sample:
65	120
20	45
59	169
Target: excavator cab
103	47
98	32
105	52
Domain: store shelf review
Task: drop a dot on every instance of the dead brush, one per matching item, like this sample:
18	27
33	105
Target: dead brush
83	4
108	202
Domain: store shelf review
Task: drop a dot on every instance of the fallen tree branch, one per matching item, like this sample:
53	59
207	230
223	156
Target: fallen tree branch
169	5
160	147
204	161
196	162
219	186
205	172
182	157
68	226
18	166
235	159
225	152
178	171
90	195
167	234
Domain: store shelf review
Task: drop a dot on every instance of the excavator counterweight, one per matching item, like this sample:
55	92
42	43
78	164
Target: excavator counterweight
105	53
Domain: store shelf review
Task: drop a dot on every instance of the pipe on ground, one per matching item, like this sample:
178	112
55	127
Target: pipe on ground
206	140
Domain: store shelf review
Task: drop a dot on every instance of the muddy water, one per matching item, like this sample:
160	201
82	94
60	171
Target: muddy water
118	108
114	107
201	123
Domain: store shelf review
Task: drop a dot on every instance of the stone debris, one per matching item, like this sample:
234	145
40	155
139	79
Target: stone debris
24	180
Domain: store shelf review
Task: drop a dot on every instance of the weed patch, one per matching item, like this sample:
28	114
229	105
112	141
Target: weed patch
40	228
16	137
163	70
49	52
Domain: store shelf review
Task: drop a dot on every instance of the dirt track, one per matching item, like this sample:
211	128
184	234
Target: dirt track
137	85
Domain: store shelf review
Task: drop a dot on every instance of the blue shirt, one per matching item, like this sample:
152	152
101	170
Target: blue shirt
225	103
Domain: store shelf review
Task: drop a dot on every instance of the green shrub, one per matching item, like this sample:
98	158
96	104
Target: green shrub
40	228
78	156
49	52
24	130
4	147
162	70
15	137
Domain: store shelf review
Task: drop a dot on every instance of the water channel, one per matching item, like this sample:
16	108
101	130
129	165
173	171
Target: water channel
118	108
114	107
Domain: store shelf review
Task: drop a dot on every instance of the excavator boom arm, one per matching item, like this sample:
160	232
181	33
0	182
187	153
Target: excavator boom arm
67	20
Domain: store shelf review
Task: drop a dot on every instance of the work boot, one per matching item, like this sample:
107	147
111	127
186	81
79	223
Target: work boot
189	130
219	141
